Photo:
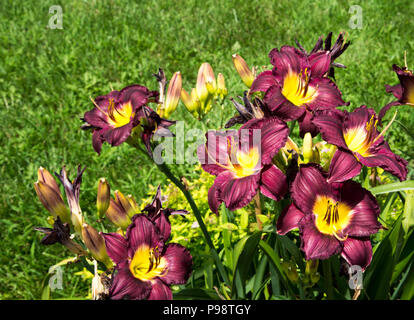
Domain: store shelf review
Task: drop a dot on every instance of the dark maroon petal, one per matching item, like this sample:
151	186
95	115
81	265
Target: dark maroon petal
280	106
116	247
214	201
126	286
238	192
309	183
357	252
358	118
163	224
365	210
328	94
215	153
160	291
155	206
306	124
288	58
142	231
97	141
263	81
274	133
136	94
96	118
344	166
319	63
330	125
273	183
118	135
289	219
384	110
396	90
179	264
316	245
388	161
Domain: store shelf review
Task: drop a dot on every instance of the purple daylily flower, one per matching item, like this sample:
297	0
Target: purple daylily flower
332	219
242	166
404	91
359	143
116	114
297	86
145	265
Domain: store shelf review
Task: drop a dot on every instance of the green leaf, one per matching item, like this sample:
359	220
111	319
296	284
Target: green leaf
258	278
393	187
378	276
408	220
406	257
408	291
244	260
196	294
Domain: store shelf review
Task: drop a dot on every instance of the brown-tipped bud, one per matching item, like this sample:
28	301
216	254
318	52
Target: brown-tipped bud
221	86
52	201
44	176
117	215
124	203
209	78
95	242
173	94
243	69
103	198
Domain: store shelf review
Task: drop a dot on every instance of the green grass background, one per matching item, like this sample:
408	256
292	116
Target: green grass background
47	77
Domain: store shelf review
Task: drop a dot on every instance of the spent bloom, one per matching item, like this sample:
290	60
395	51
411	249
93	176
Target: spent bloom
242	163
332	219
146	265
359	143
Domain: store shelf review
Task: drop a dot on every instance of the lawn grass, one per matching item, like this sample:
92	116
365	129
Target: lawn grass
47	76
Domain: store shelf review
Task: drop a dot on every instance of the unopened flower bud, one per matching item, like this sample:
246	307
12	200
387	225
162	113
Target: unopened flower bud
221	86
290	270
125	204
307	147
243	69
44	176
96	244
190	102
312	266
209	77
103	198
52	201
173	94
117	215
202	91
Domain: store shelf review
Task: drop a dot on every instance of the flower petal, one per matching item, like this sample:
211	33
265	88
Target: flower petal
237	192
315	244
385	159
179	264
116	136
357	252
163	223
328	94
273	183
160	291
330	125
142	231
319	63
280	106
289	219
288	58
273	132
126	286
308	184
344	166
116	247
306	124
263	81
365	210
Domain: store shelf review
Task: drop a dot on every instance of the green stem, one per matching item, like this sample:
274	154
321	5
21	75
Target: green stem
164	168
327	274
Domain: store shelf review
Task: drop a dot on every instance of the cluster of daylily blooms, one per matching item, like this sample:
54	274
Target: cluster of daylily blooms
140	262
334	214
